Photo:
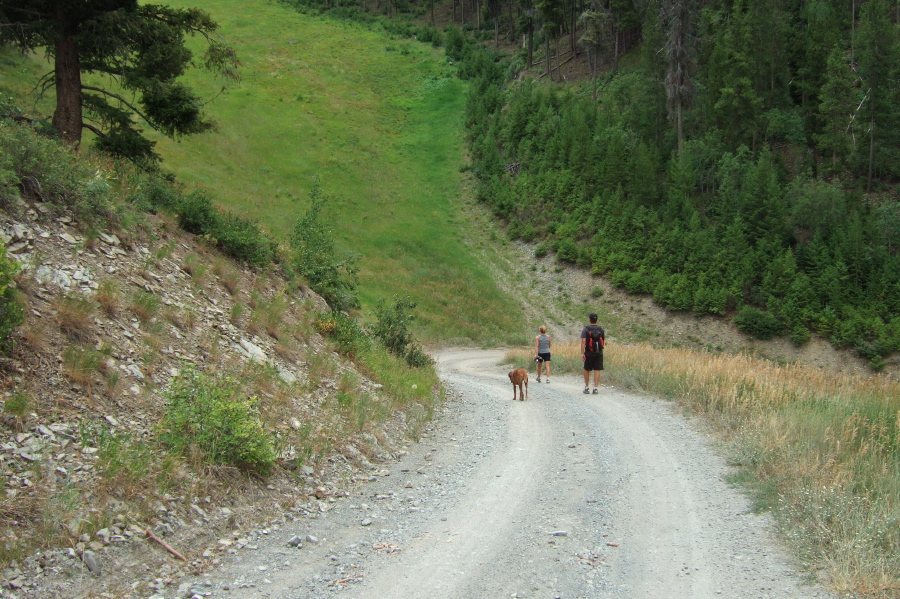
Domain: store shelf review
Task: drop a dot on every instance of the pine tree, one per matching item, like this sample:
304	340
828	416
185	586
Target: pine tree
839	99
879	54
138	49
733	73
678	17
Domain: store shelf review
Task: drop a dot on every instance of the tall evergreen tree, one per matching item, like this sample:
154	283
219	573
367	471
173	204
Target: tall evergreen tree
878	54
551	16
733	74
138	49
678	16
839	99
596	35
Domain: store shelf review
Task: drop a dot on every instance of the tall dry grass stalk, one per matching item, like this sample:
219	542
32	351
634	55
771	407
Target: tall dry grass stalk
822	448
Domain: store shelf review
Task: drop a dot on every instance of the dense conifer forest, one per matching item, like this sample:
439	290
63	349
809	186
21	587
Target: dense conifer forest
727	157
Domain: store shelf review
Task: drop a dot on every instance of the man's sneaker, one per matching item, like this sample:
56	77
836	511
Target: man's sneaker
547	379
539	379
595	390
587	391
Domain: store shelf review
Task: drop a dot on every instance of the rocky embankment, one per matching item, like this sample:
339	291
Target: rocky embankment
91	505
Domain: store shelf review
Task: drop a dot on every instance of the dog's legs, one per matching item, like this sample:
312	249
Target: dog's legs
526	389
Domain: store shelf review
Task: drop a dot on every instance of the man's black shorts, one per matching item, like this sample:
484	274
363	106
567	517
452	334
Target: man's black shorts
593	361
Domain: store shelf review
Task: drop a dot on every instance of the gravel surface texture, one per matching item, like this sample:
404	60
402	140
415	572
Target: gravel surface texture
563	495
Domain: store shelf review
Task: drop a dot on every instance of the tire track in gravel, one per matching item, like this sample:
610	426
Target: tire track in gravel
560	496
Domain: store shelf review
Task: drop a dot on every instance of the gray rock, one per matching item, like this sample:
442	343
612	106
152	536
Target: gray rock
92	561
103	535
295	541
252	351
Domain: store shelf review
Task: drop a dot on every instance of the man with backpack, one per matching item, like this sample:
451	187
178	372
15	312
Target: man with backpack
593	339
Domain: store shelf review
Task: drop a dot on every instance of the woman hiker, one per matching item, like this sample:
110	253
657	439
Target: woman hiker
542	353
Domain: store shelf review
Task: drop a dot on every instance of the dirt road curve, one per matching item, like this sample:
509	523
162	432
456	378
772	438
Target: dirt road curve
563	495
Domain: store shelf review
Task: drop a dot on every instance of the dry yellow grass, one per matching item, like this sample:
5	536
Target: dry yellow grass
822	449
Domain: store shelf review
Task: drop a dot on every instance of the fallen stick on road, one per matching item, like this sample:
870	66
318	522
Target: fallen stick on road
165	545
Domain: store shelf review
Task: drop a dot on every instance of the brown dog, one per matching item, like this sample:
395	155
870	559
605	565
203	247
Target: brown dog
518	377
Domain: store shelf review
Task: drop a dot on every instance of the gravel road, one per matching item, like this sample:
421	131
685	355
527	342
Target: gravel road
563	495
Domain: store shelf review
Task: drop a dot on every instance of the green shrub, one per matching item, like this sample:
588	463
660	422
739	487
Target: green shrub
596	291
314	256
541	250
238	237
392	330
455	43
800	335
348	335
710	301
757	323
211	415
243	240
159	195
196	213
566	250
17	404
53	173
11	314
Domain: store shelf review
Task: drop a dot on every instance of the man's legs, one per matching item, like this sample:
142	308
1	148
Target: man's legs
596	378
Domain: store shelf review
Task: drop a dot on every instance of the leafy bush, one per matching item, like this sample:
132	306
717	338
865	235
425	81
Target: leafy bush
349	336
566	250
196	213
238	237
392	330
11	314
210	414
800	335
44	168
315	257
757	323
708	300
243	240
455	43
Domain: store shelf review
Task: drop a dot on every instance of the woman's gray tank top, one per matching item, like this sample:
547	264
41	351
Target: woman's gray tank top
543	344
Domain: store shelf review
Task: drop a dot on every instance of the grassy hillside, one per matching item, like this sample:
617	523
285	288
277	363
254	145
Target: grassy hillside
377	120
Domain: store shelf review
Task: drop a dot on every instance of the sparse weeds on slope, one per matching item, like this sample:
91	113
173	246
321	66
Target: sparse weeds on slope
145	305
107	295
74	316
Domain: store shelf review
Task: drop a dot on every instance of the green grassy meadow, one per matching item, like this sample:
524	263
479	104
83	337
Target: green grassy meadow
378	120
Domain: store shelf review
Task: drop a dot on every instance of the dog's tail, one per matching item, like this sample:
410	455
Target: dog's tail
526	386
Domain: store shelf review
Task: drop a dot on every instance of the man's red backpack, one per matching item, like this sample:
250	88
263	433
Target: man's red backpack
594	343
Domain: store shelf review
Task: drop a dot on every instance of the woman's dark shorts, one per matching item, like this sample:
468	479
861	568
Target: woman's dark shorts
544	357
593	361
